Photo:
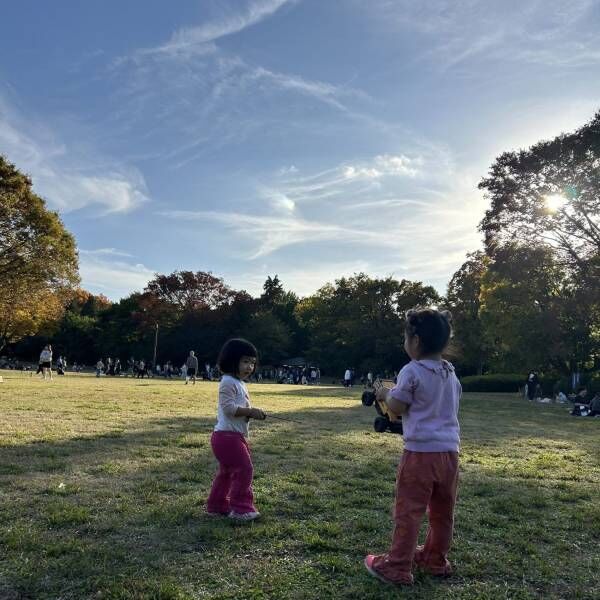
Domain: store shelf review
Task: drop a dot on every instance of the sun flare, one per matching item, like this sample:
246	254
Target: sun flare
554	202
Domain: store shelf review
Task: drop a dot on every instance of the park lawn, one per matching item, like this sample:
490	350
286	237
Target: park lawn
102	484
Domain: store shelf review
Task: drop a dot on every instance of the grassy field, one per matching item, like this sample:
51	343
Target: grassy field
102	485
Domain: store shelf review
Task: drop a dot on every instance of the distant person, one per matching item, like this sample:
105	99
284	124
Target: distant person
532	384
561	398
370	379
595	405
63	365
142	369
426	394
99	368
191	365
45	363
347	378
231	492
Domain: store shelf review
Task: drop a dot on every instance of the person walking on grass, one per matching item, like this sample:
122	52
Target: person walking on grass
426	394
46	361
99	367
347	378
231	492
191	365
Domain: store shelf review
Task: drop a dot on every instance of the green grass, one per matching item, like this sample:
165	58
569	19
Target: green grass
102	485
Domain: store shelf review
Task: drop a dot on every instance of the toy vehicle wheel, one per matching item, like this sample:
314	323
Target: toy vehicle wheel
368	398
396	427
380	424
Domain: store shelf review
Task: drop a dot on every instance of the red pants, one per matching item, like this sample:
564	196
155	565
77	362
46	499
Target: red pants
232	485
427	481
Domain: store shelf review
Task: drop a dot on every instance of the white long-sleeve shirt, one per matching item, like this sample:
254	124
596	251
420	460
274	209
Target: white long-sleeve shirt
232	395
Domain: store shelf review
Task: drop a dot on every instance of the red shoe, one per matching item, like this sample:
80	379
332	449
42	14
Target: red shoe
372	571
437	571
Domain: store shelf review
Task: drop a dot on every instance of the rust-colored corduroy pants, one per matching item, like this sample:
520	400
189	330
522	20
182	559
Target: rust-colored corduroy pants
427	481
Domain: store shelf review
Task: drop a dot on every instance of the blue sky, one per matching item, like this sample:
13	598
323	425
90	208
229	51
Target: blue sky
308	138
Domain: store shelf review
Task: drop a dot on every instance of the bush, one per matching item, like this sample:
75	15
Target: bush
501	382
514	382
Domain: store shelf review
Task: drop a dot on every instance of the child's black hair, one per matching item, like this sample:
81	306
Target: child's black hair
432	326
231	354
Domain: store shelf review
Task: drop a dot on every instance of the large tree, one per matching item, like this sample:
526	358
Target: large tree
358	321
187	291
463	299
549	195
38	258
521	304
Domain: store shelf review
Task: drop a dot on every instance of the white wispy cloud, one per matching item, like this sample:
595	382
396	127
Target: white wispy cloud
351	179
202	97
67	182
190	41
533	31
408	215
104	252
384	165
271	233
113	277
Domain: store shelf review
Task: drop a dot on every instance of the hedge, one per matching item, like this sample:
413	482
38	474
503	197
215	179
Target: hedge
514	382
501	382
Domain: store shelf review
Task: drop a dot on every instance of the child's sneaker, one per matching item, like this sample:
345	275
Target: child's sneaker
249	516
408	580
444	570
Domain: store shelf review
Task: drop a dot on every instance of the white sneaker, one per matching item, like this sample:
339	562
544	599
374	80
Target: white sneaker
249	516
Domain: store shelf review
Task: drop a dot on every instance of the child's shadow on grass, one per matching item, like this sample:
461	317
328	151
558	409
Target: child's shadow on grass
100	508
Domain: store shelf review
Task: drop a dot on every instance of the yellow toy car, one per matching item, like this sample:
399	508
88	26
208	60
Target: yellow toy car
387	420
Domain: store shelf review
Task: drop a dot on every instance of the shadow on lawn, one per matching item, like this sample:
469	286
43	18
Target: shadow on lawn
130	513
94	510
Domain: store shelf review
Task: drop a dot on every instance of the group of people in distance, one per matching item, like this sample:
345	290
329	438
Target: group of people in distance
426	394
584	405
141	368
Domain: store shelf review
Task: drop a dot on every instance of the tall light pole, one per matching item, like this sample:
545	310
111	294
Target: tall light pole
155	346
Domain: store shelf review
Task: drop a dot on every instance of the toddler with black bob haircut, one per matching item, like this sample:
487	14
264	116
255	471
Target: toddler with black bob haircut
426	394
231	492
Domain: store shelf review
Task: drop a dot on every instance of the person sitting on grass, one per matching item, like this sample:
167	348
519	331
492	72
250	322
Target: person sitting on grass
231	492
595	405
426	394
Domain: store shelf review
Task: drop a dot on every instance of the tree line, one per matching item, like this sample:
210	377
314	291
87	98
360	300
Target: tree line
530	298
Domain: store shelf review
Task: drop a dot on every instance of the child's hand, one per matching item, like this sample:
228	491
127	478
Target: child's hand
381	394
381	391
256	413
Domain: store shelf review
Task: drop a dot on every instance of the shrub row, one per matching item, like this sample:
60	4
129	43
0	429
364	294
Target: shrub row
514	382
